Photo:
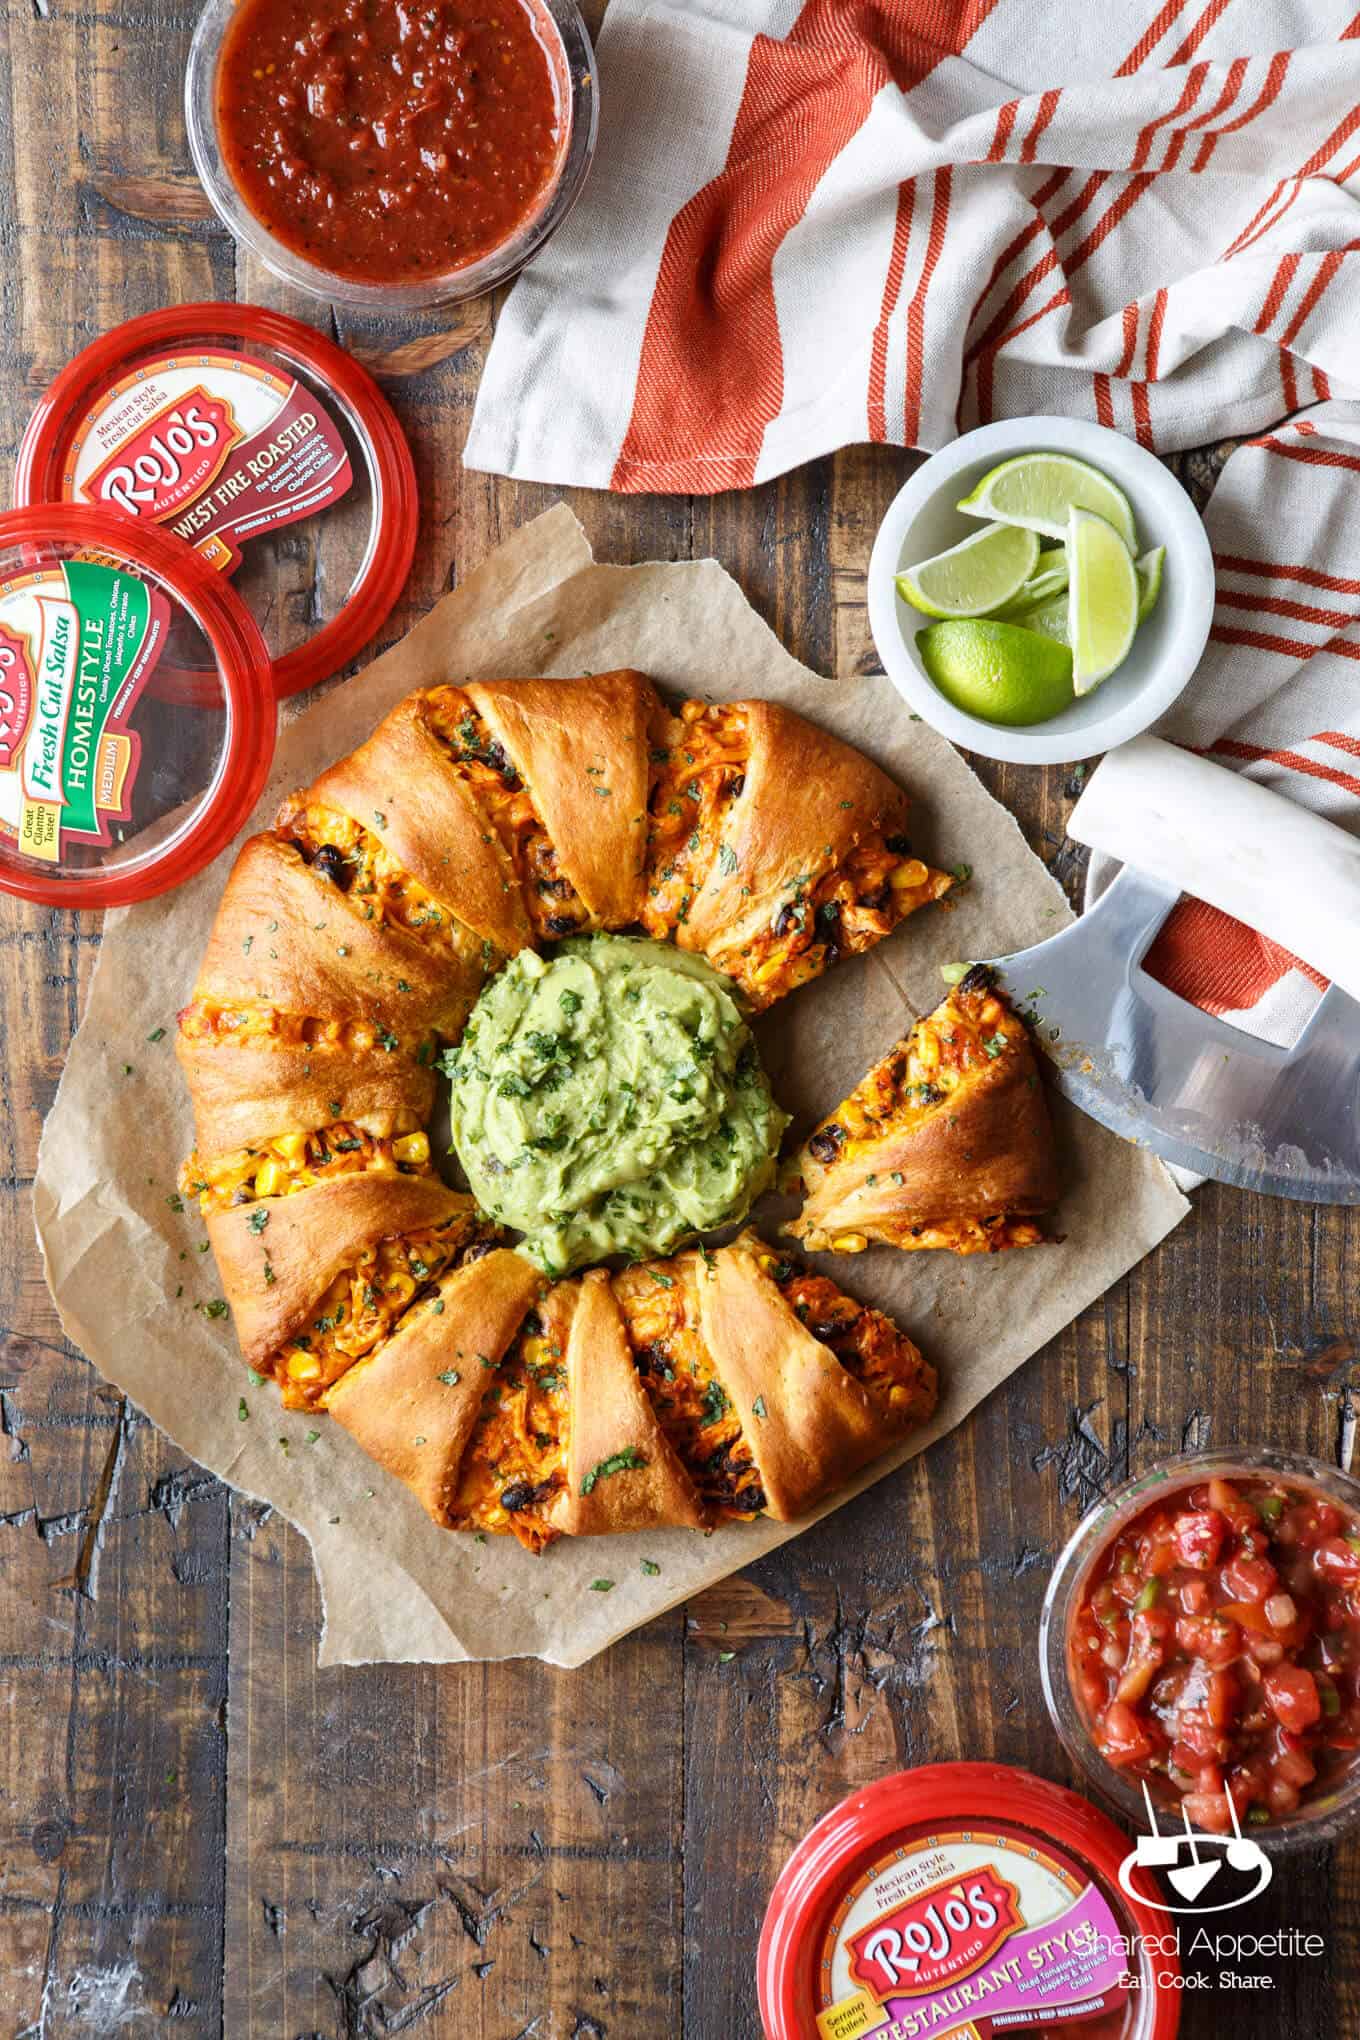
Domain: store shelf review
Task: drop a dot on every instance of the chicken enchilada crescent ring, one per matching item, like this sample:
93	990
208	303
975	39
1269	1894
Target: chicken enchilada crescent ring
352	940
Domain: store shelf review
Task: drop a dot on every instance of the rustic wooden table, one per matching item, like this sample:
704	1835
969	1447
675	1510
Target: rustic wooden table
203	1834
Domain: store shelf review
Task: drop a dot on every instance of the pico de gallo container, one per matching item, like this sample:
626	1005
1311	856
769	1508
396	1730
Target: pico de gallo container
559	31
1180	1487
110	792
975	1889
261	445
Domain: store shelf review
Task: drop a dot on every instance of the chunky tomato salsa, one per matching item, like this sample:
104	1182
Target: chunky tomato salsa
389	140
1216	1648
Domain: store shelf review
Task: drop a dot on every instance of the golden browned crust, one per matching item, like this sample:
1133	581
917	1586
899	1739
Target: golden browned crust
401	786
807	801
273	1273
286	937
622	1473
984	1150
581	747
413	1403
816	1425
249	1092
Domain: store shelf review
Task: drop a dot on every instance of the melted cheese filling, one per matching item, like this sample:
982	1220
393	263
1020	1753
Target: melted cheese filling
554	906
887	1364
516	1457
377	886
970	1032
361	1307
295	1161
205	1020
660	1313
847	910
702	757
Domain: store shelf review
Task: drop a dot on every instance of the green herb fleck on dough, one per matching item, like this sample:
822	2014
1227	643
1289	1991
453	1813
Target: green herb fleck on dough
626	1461
650	1567
450	1377
258	1220
156	1034
602	1586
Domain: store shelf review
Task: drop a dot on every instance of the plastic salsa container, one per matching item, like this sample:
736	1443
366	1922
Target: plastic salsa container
966	1900
260	445
110	789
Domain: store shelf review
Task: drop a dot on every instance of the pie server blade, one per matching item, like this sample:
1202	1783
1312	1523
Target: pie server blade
1196	1090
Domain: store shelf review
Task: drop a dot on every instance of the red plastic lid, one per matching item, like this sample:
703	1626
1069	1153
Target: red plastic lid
940	1899
112	790
263	446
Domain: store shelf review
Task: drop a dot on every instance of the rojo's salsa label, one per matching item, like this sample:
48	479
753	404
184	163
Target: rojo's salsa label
77	642
973	1934
216	447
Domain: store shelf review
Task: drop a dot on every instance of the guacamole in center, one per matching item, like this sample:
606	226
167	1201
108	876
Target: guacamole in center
610	1100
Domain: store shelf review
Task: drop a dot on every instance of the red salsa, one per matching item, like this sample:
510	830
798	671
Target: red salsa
1216	1648
389	140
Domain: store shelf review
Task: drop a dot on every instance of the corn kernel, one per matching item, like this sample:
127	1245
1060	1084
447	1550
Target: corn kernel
270	1178
412	1147
850	1243
291	1146
303	1366
904	877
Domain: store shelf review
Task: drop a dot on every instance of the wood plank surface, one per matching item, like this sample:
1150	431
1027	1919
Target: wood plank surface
205	1835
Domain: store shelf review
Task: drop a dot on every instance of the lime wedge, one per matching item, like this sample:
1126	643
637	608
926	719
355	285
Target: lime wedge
973	577
1149	570
1048	618
997	670
1102	598
1037	490
1049	579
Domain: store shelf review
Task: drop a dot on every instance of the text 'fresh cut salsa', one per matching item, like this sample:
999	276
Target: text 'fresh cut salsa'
1217	1648
389	142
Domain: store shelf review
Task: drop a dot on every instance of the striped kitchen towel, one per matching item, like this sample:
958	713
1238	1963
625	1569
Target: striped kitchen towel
1277	695
810	224
813	222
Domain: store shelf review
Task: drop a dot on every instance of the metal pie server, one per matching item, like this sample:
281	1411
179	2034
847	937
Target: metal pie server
1196	1090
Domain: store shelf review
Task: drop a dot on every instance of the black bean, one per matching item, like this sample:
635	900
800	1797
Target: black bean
786	920
561	924
877	901
826	1145
979	979
784	1271
753	1498
520	1496
737	787
900	846
830	1329
829	920
648	1357
478	1250
555	888
330	863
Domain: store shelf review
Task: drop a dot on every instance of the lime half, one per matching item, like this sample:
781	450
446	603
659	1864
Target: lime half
1102	598
973	577
997	670
1037	490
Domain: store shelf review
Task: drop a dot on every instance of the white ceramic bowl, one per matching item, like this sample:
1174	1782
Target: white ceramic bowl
923	521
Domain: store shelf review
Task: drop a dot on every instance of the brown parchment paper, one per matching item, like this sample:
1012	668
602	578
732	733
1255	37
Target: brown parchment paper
124	1264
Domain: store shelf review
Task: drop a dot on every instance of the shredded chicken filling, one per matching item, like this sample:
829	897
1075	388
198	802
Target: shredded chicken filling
887	1364
357	862
846	910
362	1305
515	1459
676	1369
256	1020
702	759
296	1161
554	906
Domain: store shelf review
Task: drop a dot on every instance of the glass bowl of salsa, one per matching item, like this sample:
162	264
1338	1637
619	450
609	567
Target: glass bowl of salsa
392	157
1201	1639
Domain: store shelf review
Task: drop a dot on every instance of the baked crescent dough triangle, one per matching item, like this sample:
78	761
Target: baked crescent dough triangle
414	1403
947	1142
